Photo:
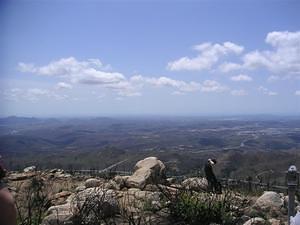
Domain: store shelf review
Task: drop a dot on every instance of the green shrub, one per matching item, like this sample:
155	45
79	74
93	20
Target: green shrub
194	208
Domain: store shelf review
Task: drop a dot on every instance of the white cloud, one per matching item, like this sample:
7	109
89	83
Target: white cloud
89	72
297	92
212	86
62	67
284	58
266	91
177	93
229	66
241	77
180	85
273	78
238	92
63	85
12	94
32	94
209	54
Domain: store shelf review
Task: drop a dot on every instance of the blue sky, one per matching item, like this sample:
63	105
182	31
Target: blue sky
93	58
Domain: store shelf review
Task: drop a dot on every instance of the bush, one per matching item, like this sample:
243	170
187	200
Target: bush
194	208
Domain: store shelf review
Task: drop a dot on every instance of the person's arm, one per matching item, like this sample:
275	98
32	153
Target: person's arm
8	215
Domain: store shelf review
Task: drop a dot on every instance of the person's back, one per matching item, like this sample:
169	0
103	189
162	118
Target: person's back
208	170
8	212
213	184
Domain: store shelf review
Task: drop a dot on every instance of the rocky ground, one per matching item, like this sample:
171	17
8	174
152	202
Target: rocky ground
146	197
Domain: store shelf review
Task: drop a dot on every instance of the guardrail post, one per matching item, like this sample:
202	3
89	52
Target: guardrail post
292	178
249	184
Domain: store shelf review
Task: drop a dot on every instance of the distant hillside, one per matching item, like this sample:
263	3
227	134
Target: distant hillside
244	146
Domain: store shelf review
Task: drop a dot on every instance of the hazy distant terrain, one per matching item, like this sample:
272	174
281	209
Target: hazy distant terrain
243	145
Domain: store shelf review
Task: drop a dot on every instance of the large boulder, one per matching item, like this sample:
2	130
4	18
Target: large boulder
92	182
274	221
269	200
195	184
147	171
29	169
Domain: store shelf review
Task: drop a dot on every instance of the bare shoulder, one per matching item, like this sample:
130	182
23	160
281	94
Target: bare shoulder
5	196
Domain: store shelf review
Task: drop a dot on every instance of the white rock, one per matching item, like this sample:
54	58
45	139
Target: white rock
274	222
29	169
269	200
195	184
255	221
147	171
92	182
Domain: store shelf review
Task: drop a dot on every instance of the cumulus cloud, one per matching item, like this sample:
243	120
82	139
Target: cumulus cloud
241	77
209	54
181	87
91	71
273	78
74	72
229	66
63	85
240	92
297	92
177	93
12	94
266	91
283	58
178	84
212	86
32	94
163	81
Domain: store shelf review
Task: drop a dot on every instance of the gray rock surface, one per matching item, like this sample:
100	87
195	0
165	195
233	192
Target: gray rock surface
269	200
255	221
147	171
195	184
92	182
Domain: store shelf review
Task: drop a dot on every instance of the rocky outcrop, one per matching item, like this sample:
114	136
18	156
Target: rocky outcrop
147	171
21	176
147	195
195	184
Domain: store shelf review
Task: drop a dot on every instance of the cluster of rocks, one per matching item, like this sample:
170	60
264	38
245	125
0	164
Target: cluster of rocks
124	194
131	195
30	172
